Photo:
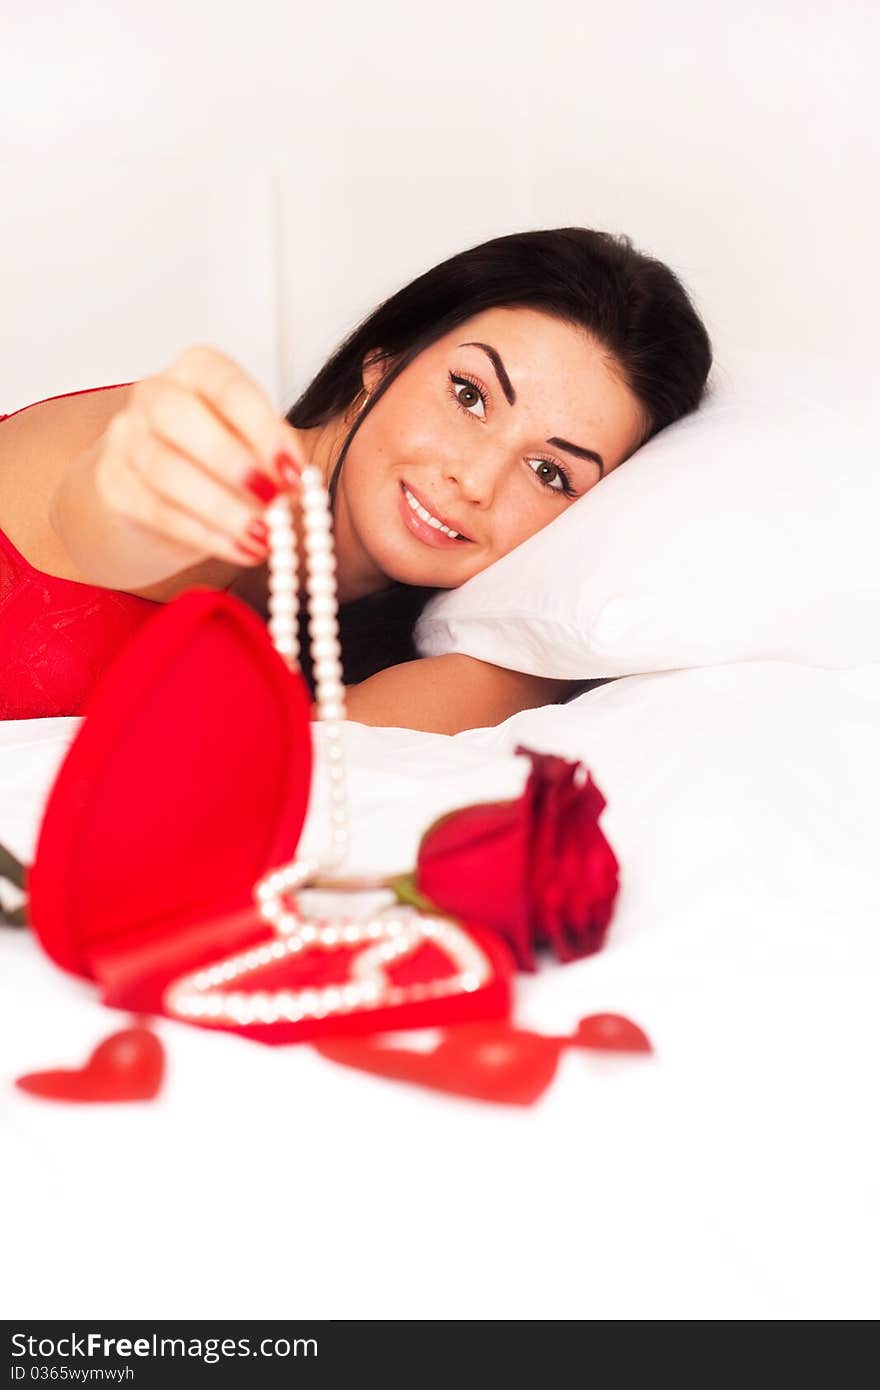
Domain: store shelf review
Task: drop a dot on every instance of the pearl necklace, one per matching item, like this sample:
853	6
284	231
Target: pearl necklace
201	995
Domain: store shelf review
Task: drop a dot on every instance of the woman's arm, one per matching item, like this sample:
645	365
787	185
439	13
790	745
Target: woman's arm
113	551
448	694
173	491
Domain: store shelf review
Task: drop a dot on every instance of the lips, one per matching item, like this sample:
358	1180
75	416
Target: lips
453	526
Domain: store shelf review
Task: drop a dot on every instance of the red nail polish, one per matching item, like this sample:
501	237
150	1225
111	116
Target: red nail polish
287	469
258	532
261	485
252	550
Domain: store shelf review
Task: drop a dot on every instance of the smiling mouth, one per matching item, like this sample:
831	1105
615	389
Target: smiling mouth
428	519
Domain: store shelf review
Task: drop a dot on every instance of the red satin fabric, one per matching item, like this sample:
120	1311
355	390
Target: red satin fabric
57	636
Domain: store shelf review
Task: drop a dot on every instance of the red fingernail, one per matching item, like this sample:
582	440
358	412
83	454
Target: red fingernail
287	469
259	532
261	485
250	552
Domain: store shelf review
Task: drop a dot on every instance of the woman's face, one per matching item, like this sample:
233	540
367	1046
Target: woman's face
492	430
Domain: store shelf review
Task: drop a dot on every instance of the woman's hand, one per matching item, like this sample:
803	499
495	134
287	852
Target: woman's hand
194	458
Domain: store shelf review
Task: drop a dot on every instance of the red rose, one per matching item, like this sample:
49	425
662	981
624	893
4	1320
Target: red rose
537	870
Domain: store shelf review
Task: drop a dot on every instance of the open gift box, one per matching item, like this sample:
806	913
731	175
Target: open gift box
186	784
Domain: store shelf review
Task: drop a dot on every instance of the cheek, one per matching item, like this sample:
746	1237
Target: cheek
421	436
404	436
519	514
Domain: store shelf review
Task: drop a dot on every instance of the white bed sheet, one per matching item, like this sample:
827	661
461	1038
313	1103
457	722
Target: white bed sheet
730	1176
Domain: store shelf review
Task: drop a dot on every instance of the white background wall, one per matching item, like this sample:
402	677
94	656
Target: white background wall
258	174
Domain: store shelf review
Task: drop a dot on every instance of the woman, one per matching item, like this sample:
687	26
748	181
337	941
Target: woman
459	418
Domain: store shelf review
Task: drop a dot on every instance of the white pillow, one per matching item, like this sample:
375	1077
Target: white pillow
747	531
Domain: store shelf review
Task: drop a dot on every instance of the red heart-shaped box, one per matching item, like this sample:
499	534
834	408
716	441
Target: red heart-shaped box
187	782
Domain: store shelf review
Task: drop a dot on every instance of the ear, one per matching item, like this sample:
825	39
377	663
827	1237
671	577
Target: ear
375	368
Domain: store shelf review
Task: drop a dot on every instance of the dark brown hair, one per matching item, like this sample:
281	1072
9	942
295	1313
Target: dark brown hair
630	303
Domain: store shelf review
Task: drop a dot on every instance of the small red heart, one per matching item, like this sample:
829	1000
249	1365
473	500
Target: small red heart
610	1033
485	1061
128	1065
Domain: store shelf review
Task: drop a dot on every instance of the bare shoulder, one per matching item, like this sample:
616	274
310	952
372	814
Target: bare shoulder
449	694
36	445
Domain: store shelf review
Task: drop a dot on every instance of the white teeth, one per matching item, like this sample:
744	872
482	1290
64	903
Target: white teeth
426	515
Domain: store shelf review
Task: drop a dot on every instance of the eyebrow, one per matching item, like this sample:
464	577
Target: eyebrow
507	387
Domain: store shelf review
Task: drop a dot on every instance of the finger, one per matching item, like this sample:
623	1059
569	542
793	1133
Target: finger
182	541
185	422
240	402
188	505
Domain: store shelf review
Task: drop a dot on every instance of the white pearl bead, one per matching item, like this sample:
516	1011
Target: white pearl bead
317	540
283	547
323	606
323	624
320	556
318	535
325	647
320	491
327	699
283	584
324	630
272	910
321	584
283	645
328	683
286	603
319	566
333	709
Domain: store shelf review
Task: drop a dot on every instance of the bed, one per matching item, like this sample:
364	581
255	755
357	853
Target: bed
731	1174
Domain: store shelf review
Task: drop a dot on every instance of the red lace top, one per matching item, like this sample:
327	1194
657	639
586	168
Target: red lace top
57	636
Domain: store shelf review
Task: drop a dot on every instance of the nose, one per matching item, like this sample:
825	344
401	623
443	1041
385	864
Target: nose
475	475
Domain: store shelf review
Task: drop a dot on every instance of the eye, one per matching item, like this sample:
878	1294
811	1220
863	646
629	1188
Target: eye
478	395
565	485
460	387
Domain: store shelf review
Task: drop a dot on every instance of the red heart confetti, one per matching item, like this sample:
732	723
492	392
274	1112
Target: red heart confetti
128	1065
610	1033
484	1061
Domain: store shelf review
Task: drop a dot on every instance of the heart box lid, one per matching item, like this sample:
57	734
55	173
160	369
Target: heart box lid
187	782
